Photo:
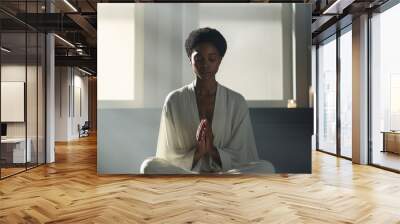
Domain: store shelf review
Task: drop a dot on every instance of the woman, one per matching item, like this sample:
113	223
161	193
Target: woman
205	127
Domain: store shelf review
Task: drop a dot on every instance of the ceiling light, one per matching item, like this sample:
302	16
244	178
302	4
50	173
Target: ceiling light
329	9
84	71
64	40
5	50
338	6
70	5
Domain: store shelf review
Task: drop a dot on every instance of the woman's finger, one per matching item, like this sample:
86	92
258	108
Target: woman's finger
199	130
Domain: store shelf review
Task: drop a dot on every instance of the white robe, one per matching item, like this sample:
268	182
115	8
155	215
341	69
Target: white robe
231	126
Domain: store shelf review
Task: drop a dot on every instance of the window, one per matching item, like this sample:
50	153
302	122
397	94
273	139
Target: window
346	93
385	88
115	79
327	95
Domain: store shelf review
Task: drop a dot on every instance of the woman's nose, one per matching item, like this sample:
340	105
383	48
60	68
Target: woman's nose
205	65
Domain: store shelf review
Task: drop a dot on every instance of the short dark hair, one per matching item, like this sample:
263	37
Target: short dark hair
202	35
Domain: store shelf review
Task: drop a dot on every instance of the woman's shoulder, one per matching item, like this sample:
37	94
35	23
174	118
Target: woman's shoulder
177	94
234	96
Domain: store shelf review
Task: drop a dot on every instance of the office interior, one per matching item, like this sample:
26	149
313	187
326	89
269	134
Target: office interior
49	86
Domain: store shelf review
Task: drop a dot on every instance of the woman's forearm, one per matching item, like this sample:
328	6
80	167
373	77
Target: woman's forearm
215	156
197	156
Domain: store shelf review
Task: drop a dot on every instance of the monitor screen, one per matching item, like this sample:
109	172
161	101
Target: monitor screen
3	129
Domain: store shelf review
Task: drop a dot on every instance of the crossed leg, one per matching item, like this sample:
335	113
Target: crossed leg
155	165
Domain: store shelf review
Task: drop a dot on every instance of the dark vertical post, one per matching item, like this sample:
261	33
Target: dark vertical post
369	90
0	92
317	91
37	88
26	86
338	91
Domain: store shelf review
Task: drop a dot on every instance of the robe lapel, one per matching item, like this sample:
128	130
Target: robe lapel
218	116
193	105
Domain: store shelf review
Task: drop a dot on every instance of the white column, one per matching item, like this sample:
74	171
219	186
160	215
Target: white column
50	100
360	90
50	92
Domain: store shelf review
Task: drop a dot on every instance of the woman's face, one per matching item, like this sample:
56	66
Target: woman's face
205	60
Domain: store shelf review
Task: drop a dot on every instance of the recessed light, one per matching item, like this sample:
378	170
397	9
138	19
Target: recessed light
70	5
64	40
84	71
5	50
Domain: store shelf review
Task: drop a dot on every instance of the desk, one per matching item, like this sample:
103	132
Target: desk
15	148
391	141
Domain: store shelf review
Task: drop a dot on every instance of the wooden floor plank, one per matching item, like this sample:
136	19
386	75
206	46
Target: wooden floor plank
70	191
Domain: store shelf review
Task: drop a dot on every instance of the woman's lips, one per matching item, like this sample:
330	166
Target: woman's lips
206	73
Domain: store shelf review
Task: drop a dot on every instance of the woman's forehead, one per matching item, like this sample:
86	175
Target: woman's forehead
209	53
205	48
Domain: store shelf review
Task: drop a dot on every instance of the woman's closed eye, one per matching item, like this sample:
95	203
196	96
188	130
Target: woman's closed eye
201	59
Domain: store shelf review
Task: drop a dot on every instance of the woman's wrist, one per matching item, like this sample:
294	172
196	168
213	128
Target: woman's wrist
197	156
215	155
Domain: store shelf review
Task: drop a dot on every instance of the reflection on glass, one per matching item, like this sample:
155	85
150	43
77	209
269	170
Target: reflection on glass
31	101
22	91
386	89
346	94
14	152
327	97
41	98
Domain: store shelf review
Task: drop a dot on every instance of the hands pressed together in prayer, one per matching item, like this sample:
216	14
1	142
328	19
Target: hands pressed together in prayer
204	143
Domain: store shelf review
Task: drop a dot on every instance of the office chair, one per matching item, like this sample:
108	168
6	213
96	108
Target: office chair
84	130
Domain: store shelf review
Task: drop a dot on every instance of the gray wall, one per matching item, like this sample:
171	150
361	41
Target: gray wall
125	138
68	81
283	137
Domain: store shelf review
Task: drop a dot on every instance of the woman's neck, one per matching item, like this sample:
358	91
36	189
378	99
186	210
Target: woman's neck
205	86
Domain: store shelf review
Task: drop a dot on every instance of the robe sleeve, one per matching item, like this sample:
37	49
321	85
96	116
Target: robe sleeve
241	147
169	144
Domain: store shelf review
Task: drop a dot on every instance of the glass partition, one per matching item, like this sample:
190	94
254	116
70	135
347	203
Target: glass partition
14	152
31	100
385	89
327	96
22	78
41	107
346	93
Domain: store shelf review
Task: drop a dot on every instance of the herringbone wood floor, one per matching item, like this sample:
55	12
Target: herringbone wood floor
70	191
